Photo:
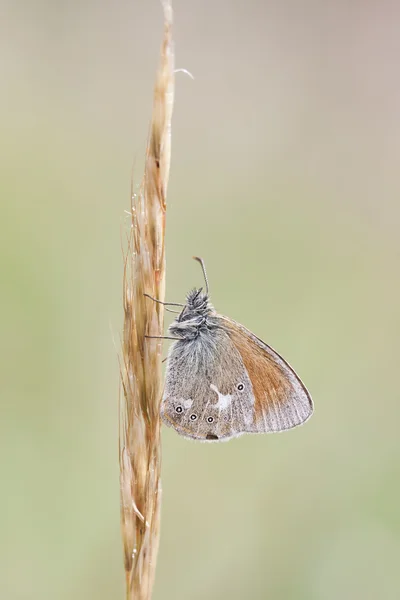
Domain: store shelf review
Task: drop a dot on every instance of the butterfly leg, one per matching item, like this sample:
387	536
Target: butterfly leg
162	337
165	303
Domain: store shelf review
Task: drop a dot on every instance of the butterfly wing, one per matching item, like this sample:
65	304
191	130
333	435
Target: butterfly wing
281	399
208	393
227	382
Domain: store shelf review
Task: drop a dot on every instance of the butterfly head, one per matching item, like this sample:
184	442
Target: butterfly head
194	316
197	303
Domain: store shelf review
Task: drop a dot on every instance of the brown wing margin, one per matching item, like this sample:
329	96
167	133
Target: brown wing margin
281	399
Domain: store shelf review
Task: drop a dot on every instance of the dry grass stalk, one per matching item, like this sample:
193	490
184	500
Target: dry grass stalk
144	272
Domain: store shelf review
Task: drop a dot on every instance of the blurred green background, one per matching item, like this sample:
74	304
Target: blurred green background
285	178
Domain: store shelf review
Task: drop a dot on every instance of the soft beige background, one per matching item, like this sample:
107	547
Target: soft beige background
285	177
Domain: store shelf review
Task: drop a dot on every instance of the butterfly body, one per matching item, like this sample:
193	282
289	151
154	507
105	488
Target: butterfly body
222	381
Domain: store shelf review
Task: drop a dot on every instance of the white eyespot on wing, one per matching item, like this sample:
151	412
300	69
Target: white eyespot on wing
187	403
223	400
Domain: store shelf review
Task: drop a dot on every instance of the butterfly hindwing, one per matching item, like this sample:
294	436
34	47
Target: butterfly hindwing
208	394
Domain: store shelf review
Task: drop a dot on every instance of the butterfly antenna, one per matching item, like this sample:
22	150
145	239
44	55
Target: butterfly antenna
201	261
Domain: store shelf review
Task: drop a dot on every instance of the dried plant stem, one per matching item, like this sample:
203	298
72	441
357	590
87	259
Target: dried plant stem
144	272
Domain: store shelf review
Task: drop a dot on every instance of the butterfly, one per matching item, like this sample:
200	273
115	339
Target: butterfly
222	381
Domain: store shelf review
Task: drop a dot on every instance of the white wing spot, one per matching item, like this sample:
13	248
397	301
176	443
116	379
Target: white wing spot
187	403
223	401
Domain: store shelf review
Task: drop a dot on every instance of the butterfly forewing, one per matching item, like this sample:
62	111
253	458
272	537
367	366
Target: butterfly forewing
281	399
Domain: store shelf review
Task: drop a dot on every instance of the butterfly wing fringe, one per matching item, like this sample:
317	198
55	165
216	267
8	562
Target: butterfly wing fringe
140	363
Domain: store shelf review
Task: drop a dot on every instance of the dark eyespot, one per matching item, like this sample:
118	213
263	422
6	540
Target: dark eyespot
193	417
210	419
240	387
179	409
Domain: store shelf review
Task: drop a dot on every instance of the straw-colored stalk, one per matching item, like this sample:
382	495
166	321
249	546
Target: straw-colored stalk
144	272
